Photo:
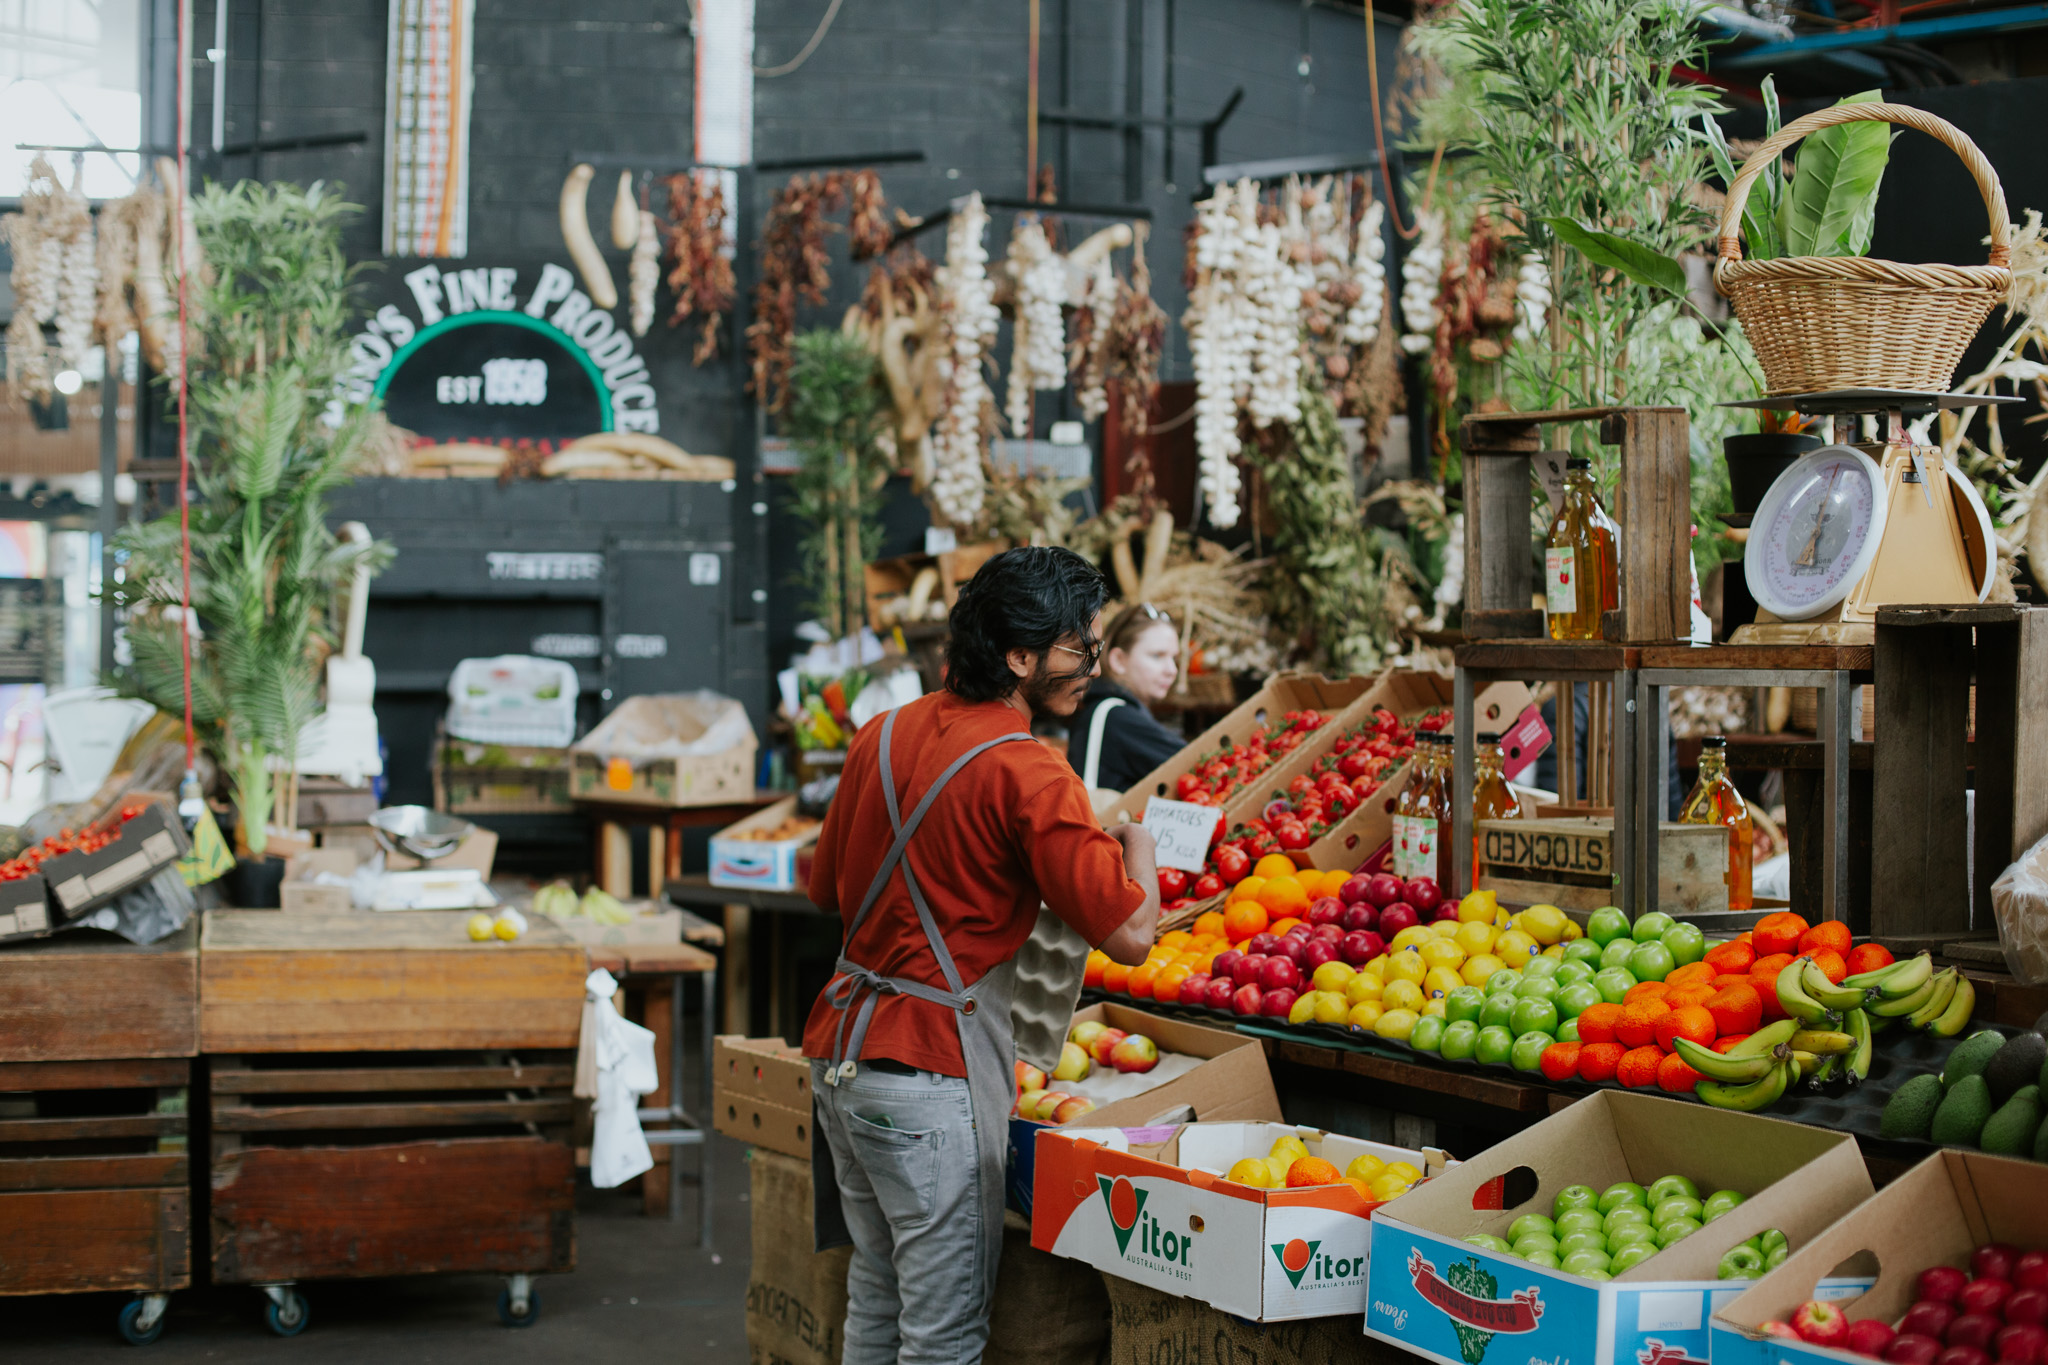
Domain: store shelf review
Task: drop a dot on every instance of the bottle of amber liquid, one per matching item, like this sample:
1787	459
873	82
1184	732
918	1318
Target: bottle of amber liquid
1442	784
1714	801
1578	559
1492	798
1409	806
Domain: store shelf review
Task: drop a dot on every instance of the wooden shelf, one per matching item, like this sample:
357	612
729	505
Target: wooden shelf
1853	658
698	890
1538	659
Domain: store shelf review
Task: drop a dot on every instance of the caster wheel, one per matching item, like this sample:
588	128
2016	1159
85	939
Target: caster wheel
512	1319
130	1324
288	1318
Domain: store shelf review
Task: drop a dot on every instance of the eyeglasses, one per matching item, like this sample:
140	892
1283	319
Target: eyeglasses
1152	611
1087	657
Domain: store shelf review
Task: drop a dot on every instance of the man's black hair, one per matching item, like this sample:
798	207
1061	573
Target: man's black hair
1028	598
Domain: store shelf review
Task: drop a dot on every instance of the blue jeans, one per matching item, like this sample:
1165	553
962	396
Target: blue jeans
910	1185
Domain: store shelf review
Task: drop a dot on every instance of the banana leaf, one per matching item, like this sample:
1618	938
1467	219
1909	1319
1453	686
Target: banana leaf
1831	204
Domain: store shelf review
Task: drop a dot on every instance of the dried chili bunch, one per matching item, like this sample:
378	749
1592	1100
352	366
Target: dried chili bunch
700	269
867	215
795	264
1130	358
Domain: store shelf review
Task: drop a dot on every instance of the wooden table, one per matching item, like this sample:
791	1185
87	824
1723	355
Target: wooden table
665	826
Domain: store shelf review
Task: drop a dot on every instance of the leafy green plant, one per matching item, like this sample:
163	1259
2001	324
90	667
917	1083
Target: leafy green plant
269	446
836	417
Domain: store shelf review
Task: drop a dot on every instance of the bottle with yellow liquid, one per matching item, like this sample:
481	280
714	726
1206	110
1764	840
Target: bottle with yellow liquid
1492	797
1579	559
1415	827
1714	801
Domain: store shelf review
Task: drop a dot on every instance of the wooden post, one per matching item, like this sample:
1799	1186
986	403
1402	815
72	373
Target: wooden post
737	969
615	859
1499	583
657	858
2012	735
1653	505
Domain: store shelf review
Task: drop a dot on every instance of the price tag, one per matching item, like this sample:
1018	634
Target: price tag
939	540
1524	742
1182	830
1548	466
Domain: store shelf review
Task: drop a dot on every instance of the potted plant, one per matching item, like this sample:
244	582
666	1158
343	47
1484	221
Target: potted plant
271	441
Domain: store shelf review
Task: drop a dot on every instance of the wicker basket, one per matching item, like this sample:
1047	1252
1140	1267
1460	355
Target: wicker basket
1849	322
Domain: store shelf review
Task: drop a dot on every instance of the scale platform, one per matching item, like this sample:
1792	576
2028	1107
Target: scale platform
1847	402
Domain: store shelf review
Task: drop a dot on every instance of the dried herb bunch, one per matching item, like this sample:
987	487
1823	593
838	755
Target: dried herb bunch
795	264
1130	356
700	268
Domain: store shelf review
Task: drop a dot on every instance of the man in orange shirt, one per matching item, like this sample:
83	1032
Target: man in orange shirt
912	1064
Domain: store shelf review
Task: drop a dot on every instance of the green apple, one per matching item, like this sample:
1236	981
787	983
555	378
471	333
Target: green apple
1527	1052
1528	1223
1538	988
1686	942
1718	1203
1512	1252
1568	1030
1428	1033
1495	1042
1633	1255
1463	1003
1770	1239
1459	1042
1584	950
1571	971
1743	1262
1775	1257
1677	1206
1624	1192
1546	1259
1616	953
1651	962
1497	1009
1580	1219
1624	1215
1540	966
1614	983
1585	1262
1665	1186
1651	926
1573	1197
1581	1241
1676	1229
1596	1275
1534	1016
1506	979
1489	1242
1628	1234
1577	998
1606	924
1535	1241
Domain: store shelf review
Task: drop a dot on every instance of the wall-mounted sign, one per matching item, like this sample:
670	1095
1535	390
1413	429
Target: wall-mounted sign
470	356
427	87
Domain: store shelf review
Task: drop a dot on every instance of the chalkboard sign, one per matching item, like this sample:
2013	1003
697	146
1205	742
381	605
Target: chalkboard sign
495	376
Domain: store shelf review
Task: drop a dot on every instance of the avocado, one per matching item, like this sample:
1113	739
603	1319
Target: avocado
1910	1111
1963	1113
1971	1056
2041	1142
2011	1130
2017	1064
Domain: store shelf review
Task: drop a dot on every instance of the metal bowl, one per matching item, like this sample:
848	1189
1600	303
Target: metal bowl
423	833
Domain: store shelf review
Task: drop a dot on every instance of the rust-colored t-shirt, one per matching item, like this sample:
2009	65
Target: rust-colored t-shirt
1013	828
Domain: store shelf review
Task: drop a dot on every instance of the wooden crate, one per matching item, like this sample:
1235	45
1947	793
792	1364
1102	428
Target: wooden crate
87	996
1569	862
274	982
95	1184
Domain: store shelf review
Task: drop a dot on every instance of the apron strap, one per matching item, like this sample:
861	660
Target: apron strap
1096	729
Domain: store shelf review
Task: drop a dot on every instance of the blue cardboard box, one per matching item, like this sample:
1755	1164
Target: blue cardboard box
1432	1293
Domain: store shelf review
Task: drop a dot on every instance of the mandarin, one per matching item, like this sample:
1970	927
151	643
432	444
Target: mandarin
1273	865
1596	1022
1737	1009
1829	933
1778	933
1176	939
1599	1061
1243	919
1831	963
1311	1170
1689	995
1209	924
1091	973
1646	990
1734	957
1116	978
1141	979
1675	1077
1727	1041
1638	1067
1560	1061
1688	1021
1279	927
1637	1027
1868	957
1284	896
1166	986
1691	974
1246	890
1329	883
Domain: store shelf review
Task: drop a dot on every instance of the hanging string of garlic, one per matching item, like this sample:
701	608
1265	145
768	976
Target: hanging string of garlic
1422	283
967	325
51	240
644	273
1369	273
1276	275
78	292
1038	347
114	318
1532	297
1098	301
1221	327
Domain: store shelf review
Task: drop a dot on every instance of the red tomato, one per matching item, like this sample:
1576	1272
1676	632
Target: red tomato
1294	836
1173	883
1232	863
1207	885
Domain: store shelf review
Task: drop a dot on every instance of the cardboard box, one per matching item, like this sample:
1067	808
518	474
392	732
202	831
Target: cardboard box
626	760
1152	1206
478	852
650	925
24	908
1231	1084
83	882
1935	1214
758	864
1434	1294
301	894
761	1093
344	848
472	778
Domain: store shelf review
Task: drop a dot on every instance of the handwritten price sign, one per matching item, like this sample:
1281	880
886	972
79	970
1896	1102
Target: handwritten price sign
1182	831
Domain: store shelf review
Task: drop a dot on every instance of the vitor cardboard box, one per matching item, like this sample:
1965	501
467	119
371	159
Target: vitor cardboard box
1935	1214
761	1093
24	908
1152	1206
762	864
1231	1083
1439	1296
82	882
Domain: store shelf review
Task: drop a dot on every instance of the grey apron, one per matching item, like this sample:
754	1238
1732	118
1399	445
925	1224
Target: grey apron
981	1011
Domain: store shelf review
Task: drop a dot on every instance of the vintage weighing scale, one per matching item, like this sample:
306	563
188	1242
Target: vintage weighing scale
1852	527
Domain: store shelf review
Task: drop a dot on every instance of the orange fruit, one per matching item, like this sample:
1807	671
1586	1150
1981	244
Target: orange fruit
1209	924
1689	1021
1766	969
1868	957
1691	974
1596	1022
1279	927
1734	956
1727	1041
1727	979
1243	919
1599	1061
1331	882
1284	896
1638	1067
1560	1061
1675	1077
1829	933
1176	939
1689	995
1116	978
1091	973
1246	890
1736	1010
1142	977
1166	986
1646	990
1274	865
1831	963
1637	1027
1364	1190
1778	933
1311	1170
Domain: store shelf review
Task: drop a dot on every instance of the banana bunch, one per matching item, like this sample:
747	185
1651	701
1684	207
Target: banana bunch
602	906
1752	1075
556	899
1939	1002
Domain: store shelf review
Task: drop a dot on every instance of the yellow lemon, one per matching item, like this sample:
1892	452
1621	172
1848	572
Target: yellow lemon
1442	928
1331	1007
1544	923
1363	987
1396	1024
1278	1166
1479	968
1475	937
1480	905
1388	1187
1365	1166
1402	995
1303	1009
481	928
1441	952
1253	1172
1441	981
1406	1170
1572	931
1514	948
1288	1145
1407	967
1333	976
505	929
1365	1014
1435	1006
1377	967
1414	936
1555	950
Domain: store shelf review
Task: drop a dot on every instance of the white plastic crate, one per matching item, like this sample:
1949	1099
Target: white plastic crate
513	699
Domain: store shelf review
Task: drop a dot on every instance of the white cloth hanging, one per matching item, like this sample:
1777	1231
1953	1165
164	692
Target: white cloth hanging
614	1068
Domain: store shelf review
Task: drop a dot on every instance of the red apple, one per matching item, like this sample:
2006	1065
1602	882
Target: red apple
1444	911
1353	891
1422	893
1103	1042
1226	961
1220	992
1994	1261
1279	974
1361	946
1327	910
1820	1324
1192	987
1261	944
1869	1337
1910	1348
1361	916
1394	918
1783	1330
2030	1271
1072	1108
2023	1343
1328	933
1029	1077
1972	1329
1940	1282
1135	1053
1962	1355
1319	951
1987	1295
1246	1001
2027	1306
1302	931
1276	1003
1246	970
1292	949
1928	1318
1382	889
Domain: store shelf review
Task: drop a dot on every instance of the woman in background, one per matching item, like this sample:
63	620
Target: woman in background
1113	739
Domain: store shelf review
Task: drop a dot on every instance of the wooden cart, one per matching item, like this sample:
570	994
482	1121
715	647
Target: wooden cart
97	1038
388	1098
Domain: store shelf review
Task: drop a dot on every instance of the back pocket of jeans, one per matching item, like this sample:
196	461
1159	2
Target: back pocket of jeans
901	1166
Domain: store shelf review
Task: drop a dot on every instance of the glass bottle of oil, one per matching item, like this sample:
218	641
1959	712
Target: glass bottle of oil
1492	798
1415	815
1440	790
1714	801
1578	559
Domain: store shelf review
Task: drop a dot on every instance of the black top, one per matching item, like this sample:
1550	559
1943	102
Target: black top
1133	741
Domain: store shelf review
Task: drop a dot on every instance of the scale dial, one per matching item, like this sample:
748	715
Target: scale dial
1983	547
1816	533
